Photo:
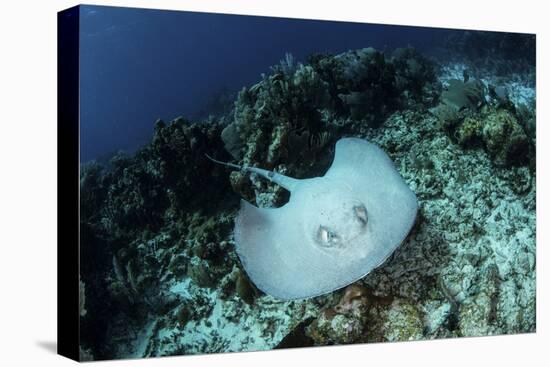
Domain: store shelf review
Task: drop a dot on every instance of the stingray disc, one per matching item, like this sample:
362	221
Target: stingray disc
333	231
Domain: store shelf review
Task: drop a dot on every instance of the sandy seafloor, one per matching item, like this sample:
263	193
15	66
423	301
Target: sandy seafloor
466	269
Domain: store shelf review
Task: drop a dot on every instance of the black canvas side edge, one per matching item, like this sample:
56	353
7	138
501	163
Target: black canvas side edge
68	183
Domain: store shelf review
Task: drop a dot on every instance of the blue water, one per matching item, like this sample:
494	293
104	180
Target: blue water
139	65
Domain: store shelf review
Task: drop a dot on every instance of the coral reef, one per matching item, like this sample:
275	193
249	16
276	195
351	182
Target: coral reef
416	77
504	138
158	263
289	119
472	116
136	215
366	84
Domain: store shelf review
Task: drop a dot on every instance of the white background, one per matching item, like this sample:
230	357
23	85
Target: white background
28	182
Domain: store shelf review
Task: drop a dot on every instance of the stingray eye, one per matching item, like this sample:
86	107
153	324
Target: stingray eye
361	213
327	237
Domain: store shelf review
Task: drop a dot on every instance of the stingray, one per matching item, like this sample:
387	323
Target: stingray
334	229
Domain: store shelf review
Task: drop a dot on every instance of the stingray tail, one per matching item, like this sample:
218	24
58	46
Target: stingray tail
236	166
286	182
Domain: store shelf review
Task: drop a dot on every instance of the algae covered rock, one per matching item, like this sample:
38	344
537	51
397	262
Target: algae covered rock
469	132
504	138
404	322
377	320
344	322
497	130
336	329
475	316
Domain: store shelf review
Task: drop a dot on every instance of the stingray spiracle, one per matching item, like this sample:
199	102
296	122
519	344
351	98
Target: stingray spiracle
329	238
